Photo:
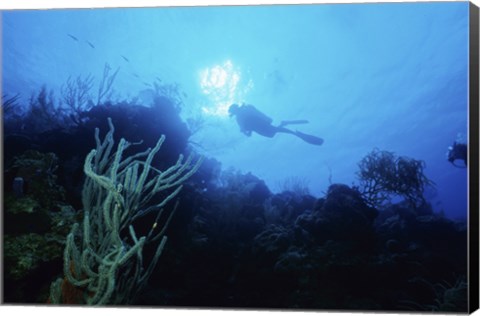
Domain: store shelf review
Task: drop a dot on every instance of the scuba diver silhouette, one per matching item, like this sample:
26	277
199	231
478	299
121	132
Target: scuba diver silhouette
252	120
458	151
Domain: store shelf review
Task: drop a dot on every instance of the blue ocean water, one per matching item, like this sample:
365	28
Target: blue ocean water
387	76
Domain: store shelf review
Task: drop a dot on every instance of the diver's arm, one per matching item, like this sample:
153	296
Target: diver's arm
244	124
248	133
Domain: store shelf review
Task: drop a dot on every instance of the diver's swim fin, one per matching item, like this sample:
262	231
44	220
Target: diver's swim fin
285	123
314	140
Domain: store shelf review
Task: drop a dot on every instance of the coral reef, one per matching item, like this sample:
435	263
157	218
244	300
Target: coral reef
38	221
232	242
383	175
101	259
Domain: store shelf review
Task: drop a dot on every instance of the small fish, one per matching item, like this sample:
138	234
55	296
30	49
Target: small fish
90	44
136	76
73	37
125	58
147	84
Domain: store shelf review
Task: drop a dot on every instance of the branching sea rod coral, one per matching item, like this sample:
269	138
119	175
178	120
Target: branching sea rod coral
105	88
8	104
383	175
76	94
103	257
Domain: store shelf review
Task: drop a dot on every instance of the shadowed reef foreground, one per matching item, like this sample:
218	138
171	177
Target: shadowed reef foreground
231	242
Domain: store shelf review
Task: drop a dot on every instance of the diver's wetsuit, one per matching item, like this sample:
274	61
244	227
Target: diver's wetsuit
250	119
458	151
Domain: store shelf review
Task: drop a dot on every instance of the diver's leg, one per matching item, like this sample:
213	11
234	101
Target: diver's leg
314	140
270	131
267	131
285	123
281	129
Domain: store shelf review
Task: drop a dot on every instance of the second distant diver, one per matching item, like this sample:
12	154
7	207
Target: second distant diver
458	151
250	120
